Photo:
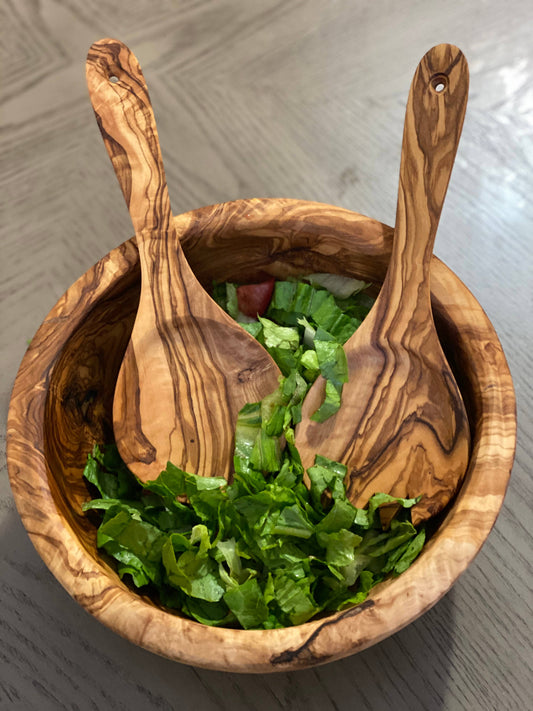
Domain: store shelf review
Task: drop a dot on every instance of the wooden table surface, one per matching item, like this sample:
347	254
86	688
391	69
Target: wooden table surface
263	98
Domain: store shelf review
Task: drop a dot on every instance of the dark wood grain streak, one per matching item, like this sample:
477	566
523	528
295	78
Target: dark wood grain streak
304	654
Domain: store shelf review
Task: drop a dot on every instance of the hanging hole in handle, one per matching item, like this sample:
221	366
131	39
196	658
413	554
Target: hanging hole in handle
439	83
114	79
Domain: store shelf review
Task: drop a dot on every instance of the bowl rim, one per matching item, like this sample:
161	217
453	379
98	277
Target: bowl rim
391	605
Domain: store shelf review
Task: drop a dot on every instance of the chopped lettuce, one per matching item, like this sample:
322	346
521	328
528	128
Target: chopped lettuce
305	327
265	550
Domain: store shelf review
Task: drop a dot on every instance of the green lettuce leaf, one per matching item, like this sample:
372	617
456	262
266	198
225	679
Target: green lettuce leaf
248	604
294	598
134	542
193	570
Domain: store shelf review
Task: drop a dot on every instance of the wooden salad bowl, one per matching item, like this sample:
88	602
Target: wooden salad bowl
62	403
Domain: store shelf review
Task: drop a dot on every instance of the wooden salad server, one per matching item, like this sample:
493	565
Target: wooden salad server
402	427
189	367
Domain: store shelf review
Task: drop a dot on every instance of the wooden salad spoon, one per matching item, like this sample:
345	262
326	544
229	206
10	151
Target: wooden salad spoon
189	367
402	427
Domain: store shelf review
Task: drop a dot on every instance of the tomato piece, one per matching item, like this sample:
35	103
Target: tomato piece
253	299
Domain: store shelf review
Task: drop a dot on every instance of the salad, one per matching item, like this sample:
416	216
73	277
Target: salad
265	550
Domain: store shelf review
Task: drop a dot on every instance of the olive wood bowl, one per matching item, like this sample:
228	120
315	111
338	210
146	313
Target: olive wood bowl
62	403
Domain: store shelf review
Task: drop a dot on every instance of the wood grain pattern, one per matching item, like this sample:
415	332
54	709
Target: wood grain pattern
269	99
402	426
188	368
63	392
